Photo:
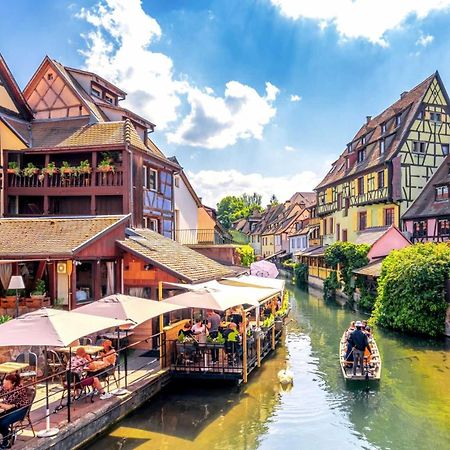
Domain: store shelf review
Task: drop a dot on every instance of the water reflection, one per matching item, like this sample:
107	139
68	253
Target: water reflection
409	409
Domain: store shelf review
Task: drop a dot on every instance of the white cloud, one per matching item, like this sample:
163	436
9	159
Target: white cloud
425	40
367	19
295	98
212	185
119	49
289	148
217	122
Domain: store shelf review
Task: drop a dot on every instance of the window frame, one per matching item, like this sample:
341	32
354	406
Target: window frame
150	170
380	179
447	146
422	149
362	214
441	193
361	156
389	213
360	185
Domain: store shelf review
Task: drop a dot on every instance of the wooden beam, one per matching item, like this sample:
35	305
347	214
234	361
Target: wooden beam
244	346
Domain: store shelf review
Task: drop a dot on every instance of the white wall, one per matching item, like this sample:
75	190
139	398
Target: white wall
187	207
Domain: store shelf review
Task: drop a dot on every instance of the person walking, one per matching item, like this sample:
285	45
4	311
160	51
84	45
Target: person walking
359	342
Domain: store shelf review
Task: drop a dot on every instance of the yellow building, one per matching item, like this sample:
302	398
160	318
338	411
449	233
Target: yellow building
14	116
386	165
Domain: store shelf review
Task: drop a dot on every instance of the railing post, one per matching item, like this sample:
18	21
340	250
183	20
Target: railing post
161	325
258	338
244	345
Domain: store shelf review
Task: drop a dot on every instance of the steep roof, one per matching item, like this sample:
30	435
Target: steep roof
309	198
425	204
406	107
167	254
44	237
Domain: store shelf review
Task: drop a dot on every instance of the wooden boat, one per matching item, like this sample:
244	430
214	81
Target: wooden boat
372	370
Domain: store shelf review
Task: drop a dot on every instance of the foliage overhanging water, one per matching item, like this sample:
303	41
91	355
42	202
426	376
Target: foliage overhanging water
409	409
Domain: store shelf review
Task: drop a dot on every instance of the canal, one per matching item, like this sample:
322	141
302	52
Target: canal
410	409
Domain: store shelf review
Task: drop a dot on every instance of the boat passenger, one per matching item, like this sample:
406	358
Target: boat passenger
349	352
78	365
360	343
12	398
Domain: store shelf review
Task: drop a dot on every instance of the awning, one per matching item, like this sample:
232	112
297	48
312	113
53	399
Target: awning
251	280
371	270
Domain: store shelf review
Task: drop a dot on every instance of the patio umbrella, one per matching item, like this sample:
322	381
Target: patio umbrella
127	308
220	297
51	328
264	269
254	281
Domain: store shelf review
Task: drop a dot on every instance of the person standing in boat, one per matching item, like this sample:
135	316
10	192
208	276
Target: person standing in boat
359	342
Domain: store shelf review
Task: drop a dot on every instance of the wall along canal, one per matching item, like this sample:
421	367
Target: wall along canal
410	409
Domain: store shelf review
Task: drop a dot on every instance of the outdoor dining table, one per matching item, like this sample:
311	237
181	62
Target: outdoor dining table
11	367
89	349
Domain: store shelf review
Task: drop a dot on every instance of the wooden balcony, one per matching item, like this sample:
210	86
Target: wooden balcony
95	179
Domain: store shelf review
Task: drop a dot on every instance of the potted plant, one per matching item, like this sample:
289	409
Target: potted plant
13	168
66	169
84	167
30	170
10	299
106	164
51	169
39	290
4	318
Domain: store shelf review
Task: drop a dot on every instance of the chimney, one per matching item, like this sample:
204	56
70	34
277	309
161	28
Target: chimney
368	119
403	94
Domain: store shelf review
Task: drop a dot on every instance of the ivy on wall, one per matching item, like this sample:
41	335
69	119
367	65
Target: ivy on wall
247	254
411	289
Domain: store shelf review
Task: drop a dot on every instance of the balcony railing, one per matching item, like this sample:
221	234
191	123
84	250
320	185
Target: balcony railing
201	237
58	180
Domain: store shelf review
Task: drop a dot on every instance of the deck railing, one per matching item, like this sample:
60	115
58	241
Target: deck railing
201	237
69	180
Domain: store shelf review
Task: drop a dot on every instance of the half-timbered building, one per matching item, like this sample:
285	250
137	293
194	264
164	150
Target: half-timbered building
86	155
386	165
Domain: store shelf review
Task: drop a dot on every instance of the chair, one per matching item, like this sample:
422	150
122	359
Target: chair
19	424
110	372
85	341
54	364
77	388
31	359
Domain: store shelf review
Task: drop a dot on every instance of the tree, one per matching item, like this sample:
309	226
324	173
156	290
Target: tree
273	200
232	208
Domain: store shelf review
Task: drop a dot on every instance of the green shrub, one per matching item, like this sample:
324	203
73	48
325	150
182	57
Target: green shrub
411	289
4	319
330	284
247	254
301	275
367	299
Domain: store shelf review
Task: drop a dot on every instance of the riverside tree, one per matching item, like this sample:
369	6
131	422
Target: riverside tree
232	208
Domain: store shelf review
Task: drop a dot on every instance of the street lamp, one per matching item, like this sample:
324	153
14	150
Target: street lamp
16	283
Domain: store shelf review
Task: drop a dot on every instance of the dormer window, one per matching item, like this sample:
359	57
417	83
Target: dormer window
363	140
398	120
441	193
420	114
382	146
383	127
348	163
96	92
361	156
350	147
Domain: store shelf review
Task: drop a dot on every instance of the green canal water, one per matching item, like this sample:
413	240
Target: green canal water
410	409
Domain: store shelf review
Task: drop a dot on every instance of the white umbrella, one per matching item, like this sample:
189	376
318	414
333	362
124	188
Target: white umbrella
220	297
264	269
51	328
127	308
254	281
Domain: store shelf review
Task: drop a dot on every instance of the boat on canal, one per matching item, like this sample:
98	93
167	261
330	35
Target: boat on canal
372	363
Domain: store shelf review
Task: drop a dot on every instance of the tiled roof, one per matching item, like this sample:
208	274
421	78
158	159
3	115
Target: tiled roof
425	204
183	262
371	270
50	133
46	237
370	235
309	198
20	127
407	107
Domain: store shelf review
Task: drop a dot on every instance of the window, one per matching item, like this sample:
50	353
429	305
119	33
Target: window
109	99
350	147
361	155
420	114
435	117
338	232
443	227
381	179
50	76
441	193
152	182
348	163
96	92
324	226
419	147
344	235
144	176
339	201
331	225
383	127
363	140
382	147
177	183
362	221
444	149
360	186
398	120
389	215
420	228
151	224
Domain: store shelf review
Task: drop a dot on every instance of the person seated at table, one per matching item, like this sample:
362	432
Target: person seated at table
199	326
232	342
186	330
236	316
12	397
106	359
78	365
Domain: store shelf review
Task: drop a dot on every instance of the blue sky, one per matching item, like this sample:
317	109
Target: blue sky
218	77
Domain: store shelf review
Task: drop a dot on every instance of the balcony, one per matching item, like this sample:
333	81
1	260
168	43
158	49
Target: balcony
96	178
202	237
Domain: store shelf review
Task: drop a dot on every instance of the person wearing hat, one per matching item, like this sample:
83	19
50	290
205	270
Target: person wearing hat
359	342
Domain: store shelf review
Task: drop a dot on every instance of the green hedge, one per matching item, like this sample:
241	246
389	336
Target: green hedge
411	289
301	274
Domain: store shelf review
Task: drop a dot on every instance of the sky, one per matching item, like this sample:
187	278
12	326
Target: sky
250	95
